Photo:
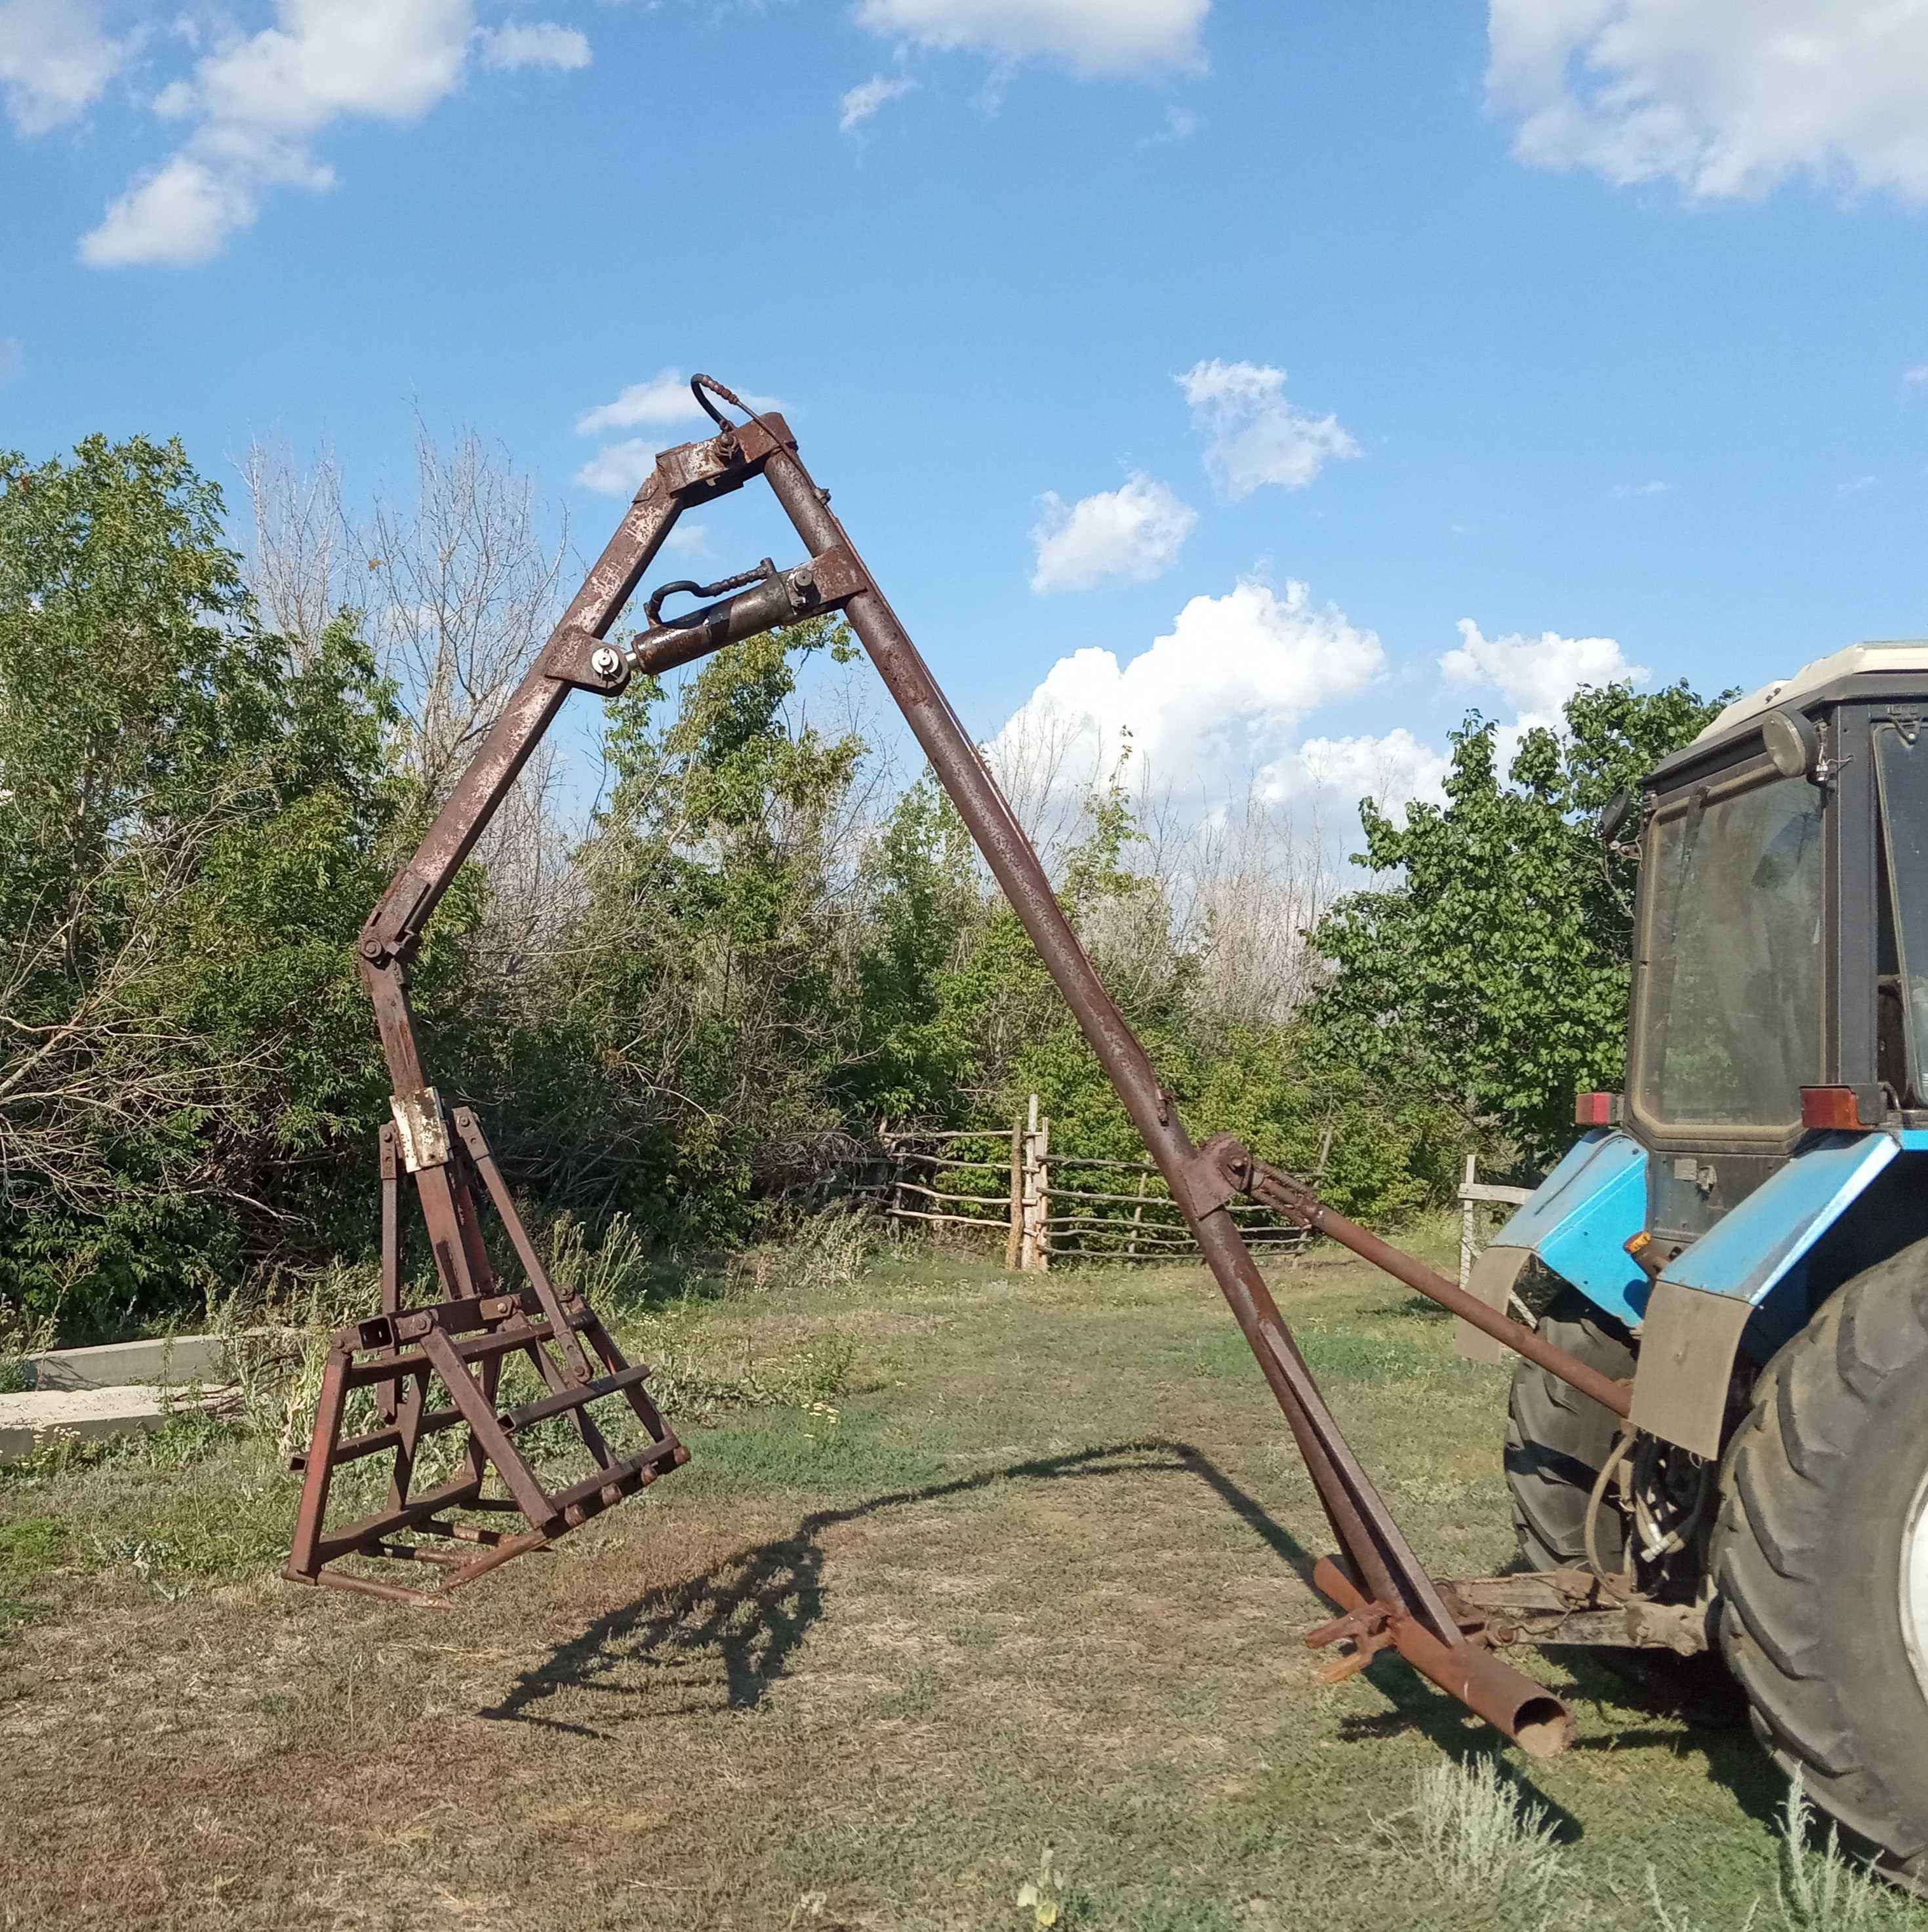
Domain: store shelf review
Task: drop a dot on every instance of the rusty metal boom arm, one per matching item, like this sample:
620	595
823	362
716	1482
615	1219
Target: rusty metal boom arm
1387	1593
1298	1201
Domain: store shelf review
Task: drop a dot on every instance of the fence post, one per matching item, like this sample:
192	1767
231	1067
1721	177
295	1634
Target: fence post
1014	1241
1027	1251
1469	1220
1043	1197
893	1146
1138	1222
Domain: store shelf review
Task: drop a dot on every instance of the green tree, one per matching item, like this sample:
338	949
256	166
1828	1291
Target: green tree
193	824
1490	973
1008	1034
707	984
925	910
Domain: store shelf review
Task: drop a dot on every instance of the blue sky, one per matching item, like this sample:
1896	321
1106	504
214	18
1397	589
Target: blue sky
1535	341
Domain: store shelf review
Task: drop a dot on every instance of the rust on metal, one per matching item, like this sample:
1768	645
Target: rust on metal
1528	1713
461	1344
1574	1607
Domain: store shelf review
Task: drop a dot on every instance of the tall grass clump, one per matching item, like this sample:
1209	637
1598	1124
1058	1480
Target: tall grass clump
1482	1841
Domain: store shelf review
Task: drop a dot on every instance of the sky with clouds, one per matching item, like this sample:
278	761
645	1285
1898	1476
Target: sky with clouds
1271	384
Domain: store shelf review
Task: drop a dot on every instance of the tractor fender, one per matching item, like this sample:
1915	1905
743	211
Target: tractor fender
1715	1291
1579	1221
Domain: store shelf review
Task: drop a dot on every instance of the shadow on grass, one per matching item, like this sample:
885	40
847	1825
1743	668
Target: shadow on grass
719	1640
1413	1308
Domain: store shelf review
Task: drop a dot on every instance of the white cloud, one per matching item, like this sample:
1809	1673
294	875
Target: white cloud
1536	676
618	468
1916	376
330	57
533	43
1134	532
13	358
1855	485
54	60
856	106
1219	694
1253	435
180	214
1725	97
1392	771
255	102
1180	124
689	540
665	398
1220	700
665	401
1091	36
1654	488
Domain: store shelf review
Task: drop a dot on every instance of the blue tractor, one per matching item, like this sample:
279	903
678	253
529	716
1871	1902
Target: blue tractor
1744	1234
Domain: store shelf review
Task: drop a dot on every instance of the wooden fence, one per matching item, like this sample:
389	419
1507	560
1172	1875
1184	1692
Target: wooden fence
1045	1206
1475	1194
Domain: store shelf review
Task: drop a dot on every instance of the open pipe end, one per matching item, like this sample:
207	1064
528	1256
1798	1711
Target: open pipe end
1543	1727
1509	1700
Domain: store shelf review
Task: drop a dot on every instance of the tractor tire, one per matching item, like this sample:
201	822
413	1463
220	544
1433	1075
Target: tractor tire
1820	1555
1558	1440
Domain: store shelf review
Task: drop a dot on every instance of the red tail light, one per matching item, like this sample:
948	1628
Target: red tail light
1596	1110
1837	1107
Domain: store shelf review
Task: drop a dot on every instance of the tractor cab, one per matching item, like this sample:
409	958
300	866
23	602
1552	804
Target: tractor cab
1783	902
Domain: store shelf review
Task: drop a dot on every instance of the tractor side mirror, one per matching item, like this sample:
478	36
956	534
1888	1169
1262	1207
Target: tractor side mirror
1614	815
1792	744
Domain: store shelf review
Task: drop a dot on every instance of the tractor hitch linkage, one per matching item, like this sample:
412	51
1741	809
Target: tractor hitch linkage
1385	1596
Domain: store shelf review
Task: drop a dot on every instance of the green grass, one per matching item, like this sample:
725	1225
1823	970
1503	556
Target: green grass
964	1567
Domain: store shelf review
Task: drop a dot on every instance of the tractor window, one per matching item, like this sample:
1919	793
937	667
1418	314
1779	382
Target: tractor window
1902	764
1729	1016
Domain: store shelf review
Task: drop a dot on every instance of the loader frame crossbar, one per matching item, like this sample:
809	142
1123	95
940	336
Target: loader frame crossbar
1384	1594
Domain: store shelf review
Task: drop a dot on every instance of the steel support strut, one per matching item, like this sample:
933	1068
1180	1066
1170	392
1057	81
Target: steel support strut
1388	1597
1297	1201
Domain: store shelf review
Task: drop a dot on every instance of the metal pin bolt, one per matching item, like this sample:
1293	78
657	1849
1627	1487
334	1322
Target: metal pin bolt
605	662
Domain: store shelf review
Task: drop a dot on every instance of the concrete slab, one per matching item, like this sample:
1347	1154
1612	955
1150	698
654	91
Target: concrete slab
31	1420
175	1361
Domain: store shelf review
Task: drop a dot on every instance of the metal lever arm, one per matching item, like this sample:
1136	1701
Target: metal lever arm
1299	1201
575	657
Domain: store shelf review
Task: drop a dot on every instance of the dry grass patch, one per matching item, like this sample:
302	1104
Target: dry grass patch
1038	1581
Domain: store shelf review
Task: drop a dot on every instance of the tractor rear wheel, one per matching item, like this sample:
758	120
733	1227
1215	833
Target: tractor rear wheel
1558	1440
1820	1555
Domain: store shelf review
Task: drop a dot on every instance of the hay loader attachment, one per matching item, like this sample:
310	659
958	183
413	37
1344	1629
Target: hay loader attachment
1384	1595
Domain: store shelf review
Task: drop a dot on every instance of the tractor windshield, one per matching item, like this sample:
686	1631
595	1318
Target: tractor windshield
1901	759
1728	1016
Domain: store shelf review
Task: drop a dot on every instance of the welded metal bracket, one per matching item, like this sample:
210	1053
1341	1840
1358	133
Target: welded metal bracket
580	659
422	1134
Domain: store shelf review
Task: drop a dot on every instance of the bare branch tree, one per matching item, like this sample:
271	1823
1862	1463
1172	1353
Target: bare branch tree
458	584
1248	884
298	567
104	1067
461	587
1048	764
